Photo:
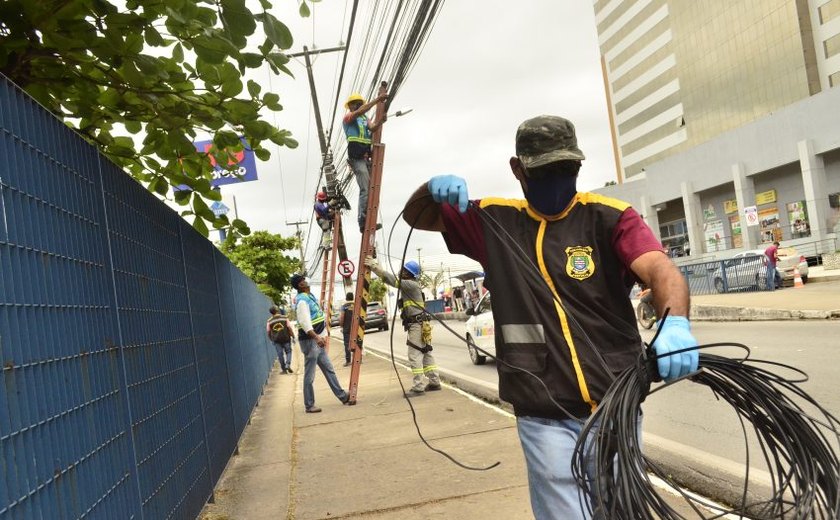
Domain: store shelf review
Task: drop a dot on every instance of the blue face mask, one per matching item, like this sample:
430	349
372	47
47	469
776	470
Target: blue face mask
552	193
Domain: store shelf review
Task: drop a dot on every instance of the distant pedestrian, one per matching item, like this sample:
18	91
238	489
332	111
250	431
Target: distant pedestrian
358	130
345	320
311	326
458	298
280	332
772	254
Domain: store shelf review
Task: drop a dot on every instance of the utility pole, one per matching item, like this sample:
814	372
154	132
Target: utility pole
299	236
328	278
418	258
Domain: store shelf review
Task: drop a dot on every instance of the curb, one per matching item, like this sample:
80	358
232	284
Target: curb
727	313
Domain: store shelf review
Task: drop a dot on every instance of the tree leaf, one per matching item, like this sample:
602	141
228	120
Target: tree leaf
201	226
182	196
178	53
238	18
277	31
133	126
262	154
304	10
252	60
272	101
153	37
254	88
211	50
201	208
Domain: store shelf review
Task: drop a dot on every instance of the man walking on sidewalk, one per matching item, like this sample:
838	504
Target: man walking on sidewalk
772	254
279	331
561	264
415	322
345	321
358	133
311	323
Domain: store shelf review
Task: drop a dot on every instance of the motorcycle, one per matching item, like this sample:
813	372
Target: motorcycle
645	312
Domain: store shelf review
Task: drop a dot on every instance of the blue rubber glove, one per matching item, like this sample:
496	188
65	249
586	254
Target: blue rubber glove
451	189
676	335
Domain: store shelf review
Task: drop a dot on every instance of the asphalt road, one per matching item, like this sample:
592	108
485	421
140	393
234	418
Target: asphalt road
687	413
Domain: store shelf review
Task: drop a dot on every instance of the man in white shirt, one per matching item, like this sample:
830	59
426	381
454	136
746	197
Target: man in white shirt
312	323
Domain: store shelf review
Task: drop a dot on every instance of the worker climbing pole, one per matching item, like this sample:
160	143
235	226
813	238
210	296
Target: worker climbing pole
357	328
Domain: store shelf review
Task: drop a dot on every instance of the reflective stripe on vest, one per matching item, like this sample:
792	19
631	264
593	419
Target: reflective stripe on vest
360	133
412	303
315	312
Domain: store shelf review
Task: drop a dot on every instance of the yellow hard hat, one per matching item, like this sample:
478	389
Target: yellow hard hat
355	96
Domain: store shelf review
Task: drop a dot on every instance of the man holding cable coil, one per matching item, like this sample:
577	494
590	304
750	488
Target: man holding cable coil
565	262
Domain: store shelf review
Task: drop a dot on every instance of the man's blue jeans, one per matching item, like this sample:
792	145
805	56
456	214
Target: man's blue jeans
771	277
314	355
549	445
361	169
284	354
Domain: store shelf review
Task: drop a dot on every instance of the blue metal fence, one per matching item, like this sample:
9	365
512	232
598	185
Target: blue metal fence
132	350
720	276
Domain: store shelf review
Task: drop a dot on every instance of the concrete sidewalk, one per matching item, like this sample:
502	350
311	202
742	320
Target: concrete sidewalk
367	461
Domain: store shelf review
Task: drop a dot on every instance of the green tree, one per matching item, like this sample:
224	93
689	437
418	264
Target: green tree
377	290
163	70
432	282
261	257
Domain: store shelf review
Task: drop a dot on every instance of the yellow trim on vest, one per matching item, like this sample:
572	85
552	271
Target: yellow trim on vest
595	198
564	324
579	198
499	201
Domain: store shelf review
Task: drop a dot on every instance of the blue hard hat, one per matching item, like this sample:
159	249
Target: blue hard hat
296	279
412	267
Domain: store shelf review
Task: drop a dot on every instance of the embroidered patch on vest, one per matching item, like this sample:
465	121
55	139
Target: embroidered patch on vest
579	265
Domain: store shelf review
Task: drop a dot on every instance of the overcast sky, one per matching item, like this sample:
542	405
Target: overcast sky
486	67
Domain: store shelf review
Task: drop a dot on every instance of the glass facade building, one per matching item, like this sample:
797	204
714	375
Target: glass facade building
679	73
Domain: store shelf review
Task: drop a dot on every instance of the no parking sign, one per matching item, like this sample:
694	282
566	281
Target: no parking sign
751	214
346	268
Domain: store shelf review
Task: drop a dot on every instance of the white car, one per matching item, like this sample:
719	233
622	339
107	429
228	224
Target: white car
749	269
480	331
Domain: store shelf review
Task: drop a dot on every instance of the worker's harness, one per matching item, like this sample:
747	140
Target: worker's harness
421	318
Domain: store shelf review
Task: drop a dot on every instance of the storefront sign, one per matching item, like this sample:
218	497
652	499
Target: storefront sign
765	197
730	206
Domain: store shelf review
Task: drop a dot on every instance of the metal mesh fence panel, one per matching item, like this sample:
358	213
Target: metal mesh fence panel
128	369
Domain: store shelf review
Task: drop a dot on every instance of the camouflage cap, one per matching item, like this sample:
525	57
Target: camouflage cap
546	139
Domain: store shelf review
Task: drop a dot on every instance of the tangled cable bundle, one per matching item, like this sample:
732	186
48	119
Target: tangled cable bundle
796	446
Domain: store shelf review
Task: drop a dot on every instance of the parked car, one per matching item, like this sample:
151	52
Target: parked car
481	330
749	269
334	315
376	317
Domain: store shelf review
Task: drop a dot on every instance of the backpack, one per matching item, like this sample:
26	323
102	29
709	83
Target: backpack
278	332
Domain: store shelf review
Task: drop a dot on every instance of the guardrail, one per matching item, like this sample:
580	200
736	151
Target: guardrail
132	350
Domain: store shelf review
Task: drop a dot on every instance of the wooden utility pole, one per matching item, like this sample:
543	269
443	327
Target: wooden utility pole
299	236
357	328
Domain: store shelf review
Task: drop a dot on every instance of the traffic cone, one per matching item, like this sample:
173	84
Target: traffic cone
797	280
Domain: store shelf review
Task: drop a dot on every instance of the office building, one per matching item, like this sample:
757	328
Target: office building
723	116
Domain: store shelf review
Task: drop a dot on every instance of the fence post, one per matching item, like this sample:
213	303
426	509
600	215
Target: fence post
181	225
224	351
120	345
